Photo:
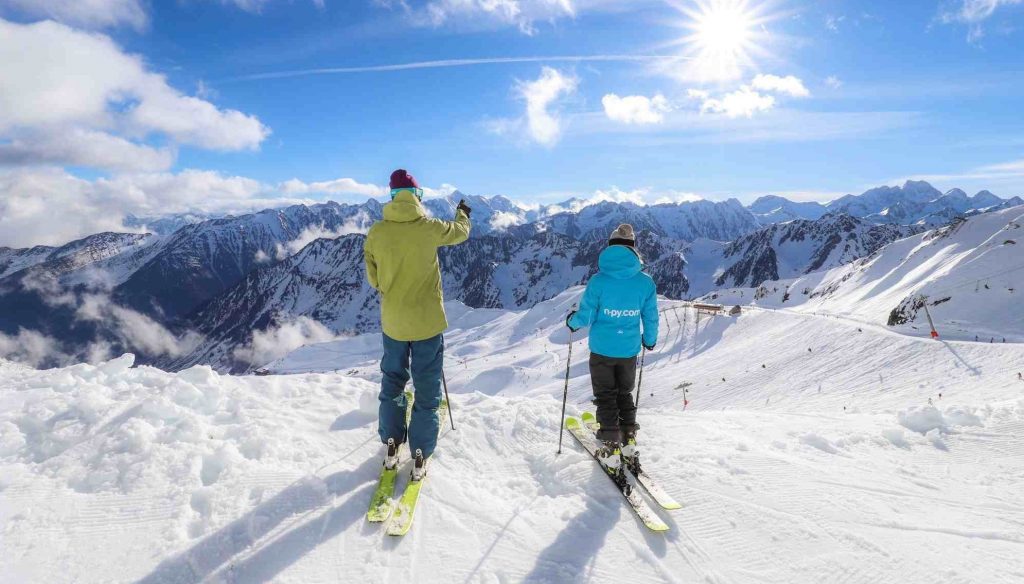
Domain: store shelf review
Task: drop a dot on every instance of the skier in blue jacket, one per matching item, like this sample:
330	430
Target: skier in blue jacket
617	300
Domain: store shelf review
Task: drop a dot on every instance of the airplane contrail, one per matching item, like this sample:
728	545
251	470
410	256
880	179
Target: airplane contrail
452	63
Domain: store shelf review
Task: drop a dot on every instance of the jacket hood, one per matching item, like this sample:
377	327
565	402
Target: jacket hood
619	261
404	208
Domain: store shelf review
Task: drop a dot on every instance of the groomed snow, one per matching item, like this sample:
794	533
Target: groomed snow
809	452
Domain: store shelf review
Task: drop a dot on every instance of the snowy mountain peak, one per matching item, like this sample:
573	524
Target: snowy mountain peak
775	209
955	195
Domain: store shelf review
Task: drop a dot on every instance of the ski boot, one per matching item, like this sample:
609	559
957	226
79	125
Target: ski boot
419	468
610	457
631	453
391	458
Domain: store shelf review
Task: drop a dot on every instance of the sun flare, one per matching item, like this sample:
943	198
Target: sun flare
723	37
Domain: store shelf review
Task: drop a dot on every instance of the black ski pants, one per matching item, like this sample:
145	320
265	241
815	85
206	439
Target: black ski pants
613	379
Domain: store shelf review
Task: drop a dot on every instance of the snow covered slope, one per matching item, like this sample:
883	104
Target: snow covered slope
53	262
972	273
201	260
801	247
14	260
809	452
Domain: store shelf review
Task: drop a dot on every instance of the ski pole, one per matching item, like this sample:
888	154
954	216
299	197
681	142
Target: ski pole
565	391
451	417
640	382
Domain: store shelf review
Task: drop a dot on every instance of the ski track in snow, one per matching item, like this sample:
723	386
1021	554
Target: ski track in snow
118	474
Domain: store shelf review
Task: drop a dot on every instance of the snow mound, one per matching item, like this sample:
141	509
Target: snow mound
925	419
817	441
922	419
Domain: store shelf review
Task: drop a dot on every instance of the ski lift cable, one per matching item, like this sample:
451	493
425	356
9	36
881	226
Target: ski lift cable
976	279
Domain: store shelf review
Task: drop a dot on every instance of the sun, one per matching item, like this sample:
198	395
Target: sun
723	37
724	29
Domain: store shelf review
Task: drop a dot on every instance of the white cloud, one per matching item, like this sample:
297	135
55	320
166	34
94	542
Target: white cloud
445	190
275	343
92	14
83	147
687	125
642	196
47	206
974	13
136	330
677	197
189	190
190	120
750	99
832	22
98	352
744	102
256	6
30	347
541	123
341	186
100	14
502	220
544	125
833	82
635	109
1015	167
58	82
522	14
48	288
360	223
979	10
617	195
788	85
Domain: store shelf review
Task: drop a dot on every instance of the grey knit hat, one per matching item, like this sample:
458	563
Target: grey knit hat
623	235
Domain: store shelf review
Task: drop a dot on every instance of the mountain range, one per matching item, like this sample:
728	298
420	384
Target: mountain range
913	203
198	293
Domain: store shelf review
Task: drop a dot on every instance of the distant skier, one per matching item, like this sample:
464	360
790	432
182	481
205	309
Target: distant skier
617	301
401	263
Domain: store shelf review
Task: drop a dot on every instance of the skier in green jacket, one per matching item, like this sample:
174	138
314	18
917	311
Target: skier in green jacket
401	264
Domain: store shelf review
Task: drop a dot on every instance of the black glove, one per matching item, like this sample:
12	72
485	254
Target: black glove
464	207
648	347
567	321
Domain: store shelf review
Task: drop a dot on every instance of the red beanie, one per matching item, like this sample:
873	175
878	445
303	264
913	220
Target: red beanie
401	179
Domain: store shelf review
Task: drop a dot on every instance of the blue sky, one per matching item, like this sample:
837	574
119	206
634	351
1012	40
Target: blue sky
716	98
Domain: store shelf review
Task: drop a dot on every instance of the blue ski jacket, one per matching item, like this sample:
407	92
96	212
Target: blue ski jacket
616	301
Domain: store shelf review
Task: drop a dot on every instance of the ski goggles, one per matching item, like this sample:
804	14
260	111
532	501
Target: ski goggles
416	191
